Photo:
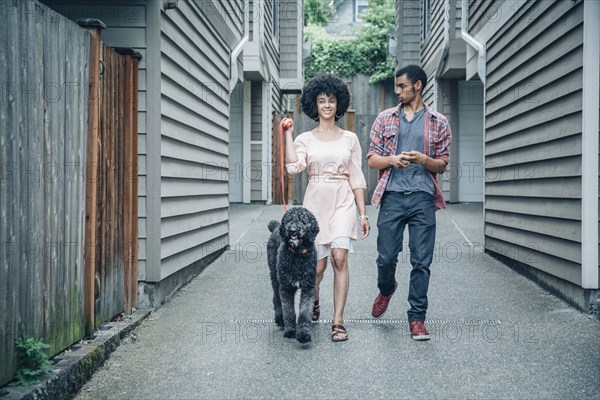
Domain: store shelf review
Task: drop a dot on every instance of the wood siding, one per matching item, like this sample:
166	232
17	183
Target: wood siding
290	13
431	51
533	136
256	137
482	12
194	135
408	34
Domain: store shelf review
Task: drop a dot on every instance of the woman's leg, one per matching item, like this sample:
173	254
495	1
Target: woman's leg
341	282
321	266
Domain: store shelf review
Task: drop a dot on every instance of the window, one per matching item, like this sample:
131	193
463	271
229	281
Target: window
361	5
426	19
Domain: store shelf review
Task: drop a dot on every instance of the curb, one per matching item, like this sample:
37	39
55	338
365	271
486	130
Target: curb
74	367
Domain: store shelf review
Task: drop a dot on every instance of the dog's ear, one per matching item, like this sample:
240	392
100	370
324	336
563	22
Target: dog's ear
314	227
282	228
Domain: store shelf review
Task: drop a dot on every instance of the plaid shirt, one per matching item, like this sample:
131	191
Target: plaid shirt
384	141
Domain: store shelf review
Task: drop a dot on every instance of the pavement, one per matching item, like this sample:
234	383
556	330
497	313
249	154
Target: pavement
495	334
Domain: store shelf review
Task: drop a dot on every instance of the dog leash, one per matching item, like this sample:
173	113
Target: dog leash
282	126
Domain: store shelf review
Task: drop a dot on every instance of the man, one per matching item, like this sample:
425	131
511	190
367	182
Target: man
409	146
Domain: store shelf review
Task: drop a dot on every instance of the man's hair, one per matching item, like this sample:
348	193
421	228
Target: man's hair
414	73
330	85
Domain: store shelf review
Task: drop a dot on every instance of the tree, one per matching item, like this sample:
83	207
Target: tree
317	12
366	54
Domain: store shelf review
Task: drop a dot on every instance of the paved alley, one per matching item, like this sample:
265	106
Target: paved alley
494	333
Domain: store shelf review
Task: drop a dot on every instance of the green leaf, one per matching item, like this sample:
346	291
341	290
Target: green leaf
366	54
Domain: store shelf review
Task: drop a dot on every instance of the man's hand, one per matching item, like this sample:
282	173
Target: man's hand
433	165
400	161
415	157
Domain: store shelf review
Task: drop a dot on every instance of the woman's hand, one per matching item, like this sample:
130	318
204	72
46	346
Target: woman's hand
287	125
364	227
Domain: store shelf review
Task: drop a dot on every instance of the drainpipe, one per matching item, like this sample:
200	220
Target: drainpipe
239	47
481	71
471	41
589	146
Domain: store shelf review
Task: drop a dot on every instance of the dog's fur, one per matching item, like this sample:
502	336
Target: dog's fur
292	260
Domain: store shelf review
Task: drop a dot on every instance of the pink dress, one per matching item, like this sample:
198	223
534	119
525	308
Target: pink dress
334	170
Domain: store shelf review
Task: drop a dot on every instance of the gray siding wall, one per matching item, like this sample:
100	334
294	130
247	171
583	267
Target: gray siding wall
439	93
290	17
194	135
431	50
533	137
256	130
481	12
271	36
125	27
263	12
408	34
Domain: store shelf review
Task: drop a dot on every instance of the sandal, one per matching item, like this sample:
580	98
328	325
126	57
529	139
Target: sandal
316	313
338	333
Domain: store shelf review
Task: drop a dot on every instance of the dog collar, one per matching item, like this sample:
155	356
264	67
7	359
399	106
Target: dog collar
304	251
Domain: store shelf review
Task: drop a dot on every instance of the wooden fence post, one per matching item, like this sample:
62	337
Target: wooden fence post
130	213
94	26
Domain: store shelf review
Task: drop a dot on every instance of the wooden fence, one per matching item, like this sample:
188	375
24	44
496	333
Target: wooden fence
111	208
278	193
53	97
44	68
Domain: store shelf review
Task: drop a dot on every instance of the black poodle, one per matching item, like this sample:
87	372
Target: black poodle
292	260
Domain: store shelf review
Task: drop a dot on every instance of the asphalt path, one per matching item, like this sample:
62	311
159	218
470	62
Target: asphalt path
494	333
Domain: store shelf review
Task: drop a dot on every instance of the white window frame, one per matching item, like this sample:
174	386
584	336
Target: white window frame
357	4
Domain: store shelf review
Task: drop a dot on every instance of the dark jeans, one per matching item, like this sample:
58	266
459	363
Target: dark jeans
418	211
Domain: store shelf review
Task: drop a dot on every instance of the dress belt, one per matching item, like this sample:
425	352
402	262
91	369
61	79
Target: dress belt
324	177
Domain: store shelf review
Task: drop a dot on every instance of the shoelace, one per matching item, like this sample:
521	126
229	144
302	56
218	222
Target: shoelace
419	327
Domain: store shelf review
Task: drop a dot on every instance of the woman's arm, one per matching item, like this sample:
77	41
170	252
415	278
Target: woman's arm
290	151
359	198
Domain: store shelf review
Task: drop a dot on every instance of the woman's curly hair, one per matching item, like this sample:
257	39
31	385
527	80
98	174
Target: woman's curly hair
330	85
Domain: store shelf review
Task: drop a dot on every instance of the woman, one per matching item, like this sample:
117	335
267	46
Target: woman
336	185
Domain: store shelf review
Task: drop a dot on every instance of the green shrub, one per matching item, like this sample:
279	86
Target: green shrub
33	360
366	54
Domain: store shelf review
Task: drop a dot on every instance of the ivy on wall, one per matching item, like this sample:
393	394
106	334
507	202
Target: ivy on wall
367	53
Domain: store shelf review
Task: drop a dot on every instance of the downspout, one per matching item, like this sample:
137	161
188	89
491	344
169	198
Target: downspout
471	41
481	71
589	146
239	47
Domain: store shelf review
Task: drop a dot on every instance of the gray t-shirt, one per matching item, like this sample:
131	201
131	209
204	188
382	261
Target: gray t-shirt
413	178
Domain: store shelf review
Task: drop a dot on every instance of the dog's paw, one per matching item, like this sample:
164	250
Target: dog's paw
303	337
279	321
289	334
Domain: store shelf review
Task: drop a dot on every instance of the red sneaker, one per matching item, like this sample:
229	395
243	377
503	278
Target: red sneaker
418	331
381	303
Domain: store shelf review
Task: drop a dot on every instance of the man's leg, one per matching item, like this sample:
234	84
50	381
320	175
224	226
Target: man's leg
390	225
421	230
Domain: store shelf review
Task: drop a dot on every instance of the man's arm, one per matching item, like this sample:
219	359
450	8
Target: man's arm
383	162
375	159
437	166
